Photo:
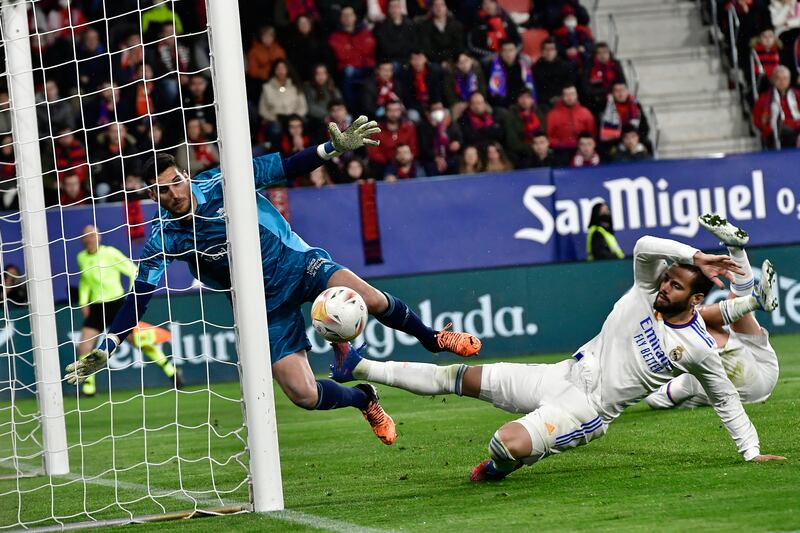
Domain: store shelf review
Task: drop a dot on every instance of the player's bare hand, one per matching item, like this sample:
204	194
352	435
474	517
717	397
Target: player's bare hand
764	458
717	266
354	137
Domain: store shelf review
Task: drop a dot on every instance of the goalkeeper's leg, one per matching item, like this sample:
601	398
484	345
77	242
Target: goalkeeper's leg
396	314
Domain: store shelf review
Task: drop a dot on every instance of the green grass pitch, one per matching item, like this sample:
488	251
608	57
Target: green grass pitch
653	471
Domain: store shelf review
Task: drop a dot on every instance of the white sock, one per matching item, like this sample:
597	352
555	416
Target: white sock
742	284
420	378
733	310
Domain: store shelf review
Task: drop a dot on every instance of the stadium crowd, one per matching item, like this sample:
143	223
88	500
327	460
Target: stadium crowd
767	47
457	87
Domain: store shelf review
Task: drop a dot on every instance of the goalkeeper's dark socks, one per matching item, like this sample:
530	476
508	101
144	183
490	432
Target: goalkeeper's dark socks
331	395
400	317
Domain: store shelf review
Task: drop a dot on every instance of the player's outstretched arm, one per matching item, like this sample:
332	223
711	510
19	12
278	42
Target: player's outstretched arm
650	255
126	319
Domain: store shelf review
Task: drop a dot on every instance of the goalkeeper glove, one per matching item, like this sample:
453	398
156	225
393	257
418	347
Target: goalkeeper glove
353	138
92	362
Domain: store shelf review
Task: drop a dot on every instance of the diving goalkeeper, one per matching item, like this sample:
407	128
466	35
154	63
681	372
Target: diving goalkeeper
191	227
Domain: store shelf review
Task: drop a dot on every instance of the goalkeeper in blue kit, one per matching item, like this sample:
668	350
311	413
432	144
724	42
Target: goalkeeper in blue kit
190	227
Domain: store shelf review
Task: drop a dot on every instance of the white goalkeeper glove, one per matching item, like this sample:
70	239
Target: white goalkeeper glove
353	138
92	362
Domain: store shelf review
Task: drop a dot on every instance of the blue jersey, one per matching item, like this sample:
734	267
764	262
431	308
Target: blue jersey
201	240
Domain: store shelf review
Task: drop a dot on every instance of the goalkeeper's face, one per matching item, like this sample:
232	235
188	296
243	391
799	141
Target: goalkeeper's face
173	192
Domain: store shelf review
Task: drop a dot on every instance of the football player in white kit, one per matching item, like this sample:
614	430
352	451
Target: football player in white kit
743	345
652	334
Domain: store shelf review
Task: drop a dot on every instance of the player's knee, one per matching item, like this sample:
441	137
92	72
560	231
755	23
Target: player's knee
376	301
516	439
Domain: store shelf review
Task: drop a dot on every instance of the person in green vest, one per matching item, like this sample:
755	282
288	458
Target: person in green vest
101	294
600	241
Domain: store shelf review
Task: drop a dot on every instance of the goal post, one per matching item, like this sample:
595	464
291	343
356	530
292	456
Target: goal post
25	132
247	279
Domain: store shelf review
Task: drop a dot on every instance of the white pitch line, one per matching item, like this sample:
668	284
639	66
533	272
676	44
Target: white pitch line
286	515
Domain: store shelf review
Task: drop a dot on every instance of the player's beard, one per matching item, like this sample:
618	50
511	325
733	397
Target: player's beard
671	308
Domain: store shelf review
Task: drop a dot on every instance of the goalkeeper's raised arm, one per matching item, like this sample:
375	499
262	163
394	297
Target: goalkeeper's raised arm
204	246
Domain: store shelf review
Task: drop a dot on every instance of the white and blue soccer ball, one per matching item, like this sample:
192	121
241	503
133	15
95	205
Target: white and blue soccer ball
339	314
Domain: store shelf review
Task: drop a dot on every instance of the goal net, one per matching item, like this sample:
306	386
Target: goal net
95	90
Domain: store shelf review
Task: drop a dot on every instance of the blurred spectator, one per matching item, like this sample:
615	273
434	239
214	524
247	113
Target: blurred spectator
160	14
72	193
135	192
508	73
379	10
403	166
600	75
116	150
53	111
470	161
384	88
354	49
280	97
93	65
70	154
439	140
766	57
574	40
600	241
148	96
586	155
320	91
306	48
15	291
522	122
8	175
354	171
395	36
550	14
478	123
129	60
440	35
565	121
631	149
785	18
337	113
460	82
422	84
262	55
100	109
171	57
294	138
621	110
198	102
318	177
198	154
777	113
395	130
550	74
290	11
496	160
542	155
493	26
5	112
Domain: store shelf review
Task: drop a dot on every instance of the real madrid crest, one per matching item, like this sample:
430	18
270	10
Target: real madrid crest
676	353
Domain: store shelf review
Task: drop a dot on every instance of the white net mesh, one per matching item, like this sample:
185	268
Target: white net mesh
117	81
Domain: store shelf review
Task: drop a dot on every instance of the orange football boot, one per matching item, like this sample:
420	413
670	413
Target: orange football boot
462	344
382	424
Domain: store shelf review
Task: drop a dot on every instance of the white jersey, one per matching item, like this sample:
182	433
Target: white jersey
637	351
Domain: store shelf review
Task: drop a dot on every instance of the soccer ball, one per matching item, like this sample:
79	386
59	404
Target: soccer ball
339	314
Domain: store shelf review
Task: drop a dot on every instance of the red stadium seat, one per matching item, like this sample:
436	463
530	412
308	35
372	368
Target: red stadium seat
532	42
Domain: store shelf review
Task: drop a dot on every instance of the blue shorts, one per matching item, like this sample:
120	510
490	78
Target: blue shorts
287	325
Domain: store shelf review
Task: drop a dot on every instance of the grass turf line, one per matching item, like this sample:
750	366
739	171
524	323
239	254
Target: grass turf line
662	470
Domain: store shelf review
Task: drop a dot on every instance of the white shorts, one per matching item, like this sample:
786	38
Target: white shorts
752	368
560	415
